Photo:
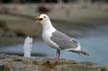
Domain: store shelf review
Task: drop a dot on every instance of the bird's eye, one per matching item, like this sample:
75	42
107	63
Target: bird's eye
44	16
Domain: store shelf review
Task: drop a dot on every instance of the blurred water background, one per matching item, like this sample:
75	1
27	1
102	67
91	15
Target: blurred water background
86	21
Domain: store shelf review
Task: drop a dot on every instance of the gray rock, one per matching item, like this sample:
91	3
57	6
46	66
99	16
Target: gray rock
18	63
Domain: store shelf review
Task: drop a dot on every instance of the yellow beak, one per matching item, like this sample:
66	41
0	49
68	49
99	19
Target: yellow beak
38	19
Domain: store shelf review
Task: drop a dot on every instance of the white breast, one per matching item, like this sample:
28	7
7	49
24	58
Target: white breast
46	37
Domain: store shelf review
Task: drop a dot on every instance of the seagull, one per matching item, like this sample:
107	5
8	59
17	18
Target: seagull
56	39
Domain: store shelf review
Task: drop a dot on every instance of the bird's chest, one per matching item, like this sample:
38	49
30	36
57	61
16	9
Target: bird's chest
47	38
46	35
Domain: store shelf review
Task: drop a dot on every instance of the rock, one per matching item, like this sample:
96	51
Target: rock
18	63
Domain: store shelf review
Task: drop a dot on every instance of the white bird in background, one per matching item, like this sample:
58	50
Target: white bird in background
57	39
28	46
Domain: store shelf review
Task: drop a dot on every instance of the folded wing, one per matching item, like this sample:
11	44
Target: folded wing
64	41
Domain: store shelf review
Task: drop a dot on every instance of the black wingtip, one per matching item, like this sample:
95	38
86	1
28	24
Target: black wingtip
84	53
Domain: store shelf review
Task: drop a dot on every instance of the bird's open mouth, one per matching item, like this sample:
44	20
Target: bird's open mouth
38	19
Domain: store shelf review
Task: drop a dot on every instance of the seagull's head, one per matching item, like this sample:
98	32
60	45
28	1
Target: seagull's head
42	18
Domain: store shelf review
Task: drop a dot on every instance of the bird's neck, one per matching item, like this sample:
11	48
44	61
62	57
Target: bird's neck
48	27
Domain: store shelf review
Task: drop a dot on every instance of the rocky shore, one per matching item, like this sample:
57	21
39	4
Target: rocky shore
19	63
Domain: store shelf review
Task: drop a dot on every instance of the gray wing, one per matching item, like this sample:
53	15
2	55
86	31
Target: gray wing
64	41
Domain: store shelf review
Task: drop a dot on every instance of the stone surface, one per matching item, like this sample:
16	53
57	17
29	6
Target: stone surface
18	63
